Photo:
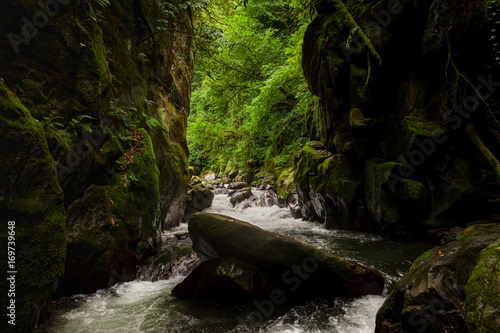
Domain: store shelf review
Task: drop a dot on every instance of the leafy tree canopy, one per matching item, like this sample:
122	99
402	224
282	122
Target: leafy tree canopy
249	94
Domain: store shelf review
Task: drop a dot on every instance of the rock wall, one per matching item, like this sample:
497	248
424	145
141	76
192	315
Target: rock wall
400	88
94	103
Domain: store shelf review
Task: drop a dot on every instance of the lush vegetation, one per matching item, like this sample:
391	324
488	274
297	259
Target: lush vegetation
249	94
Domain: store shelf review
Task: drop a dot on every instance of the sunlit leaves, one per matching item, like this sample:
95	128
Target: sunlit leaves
249	93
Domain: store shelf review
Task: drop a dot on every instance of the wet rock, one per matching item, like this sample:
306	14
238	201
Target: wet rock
237	185
240	195
208	176
450	288
287	193
264	179
226	280
199	197
302	270
182	235
221	190
482	300
268	199
328	193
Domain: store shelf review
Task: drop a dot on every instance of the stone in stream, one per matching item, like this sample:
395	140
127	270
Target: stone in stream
301	270
450	288
226	280
237	185
240	195
199	197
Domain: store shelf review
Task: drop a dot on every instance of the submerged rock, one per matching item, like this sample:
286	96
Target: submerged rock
450	288
302	270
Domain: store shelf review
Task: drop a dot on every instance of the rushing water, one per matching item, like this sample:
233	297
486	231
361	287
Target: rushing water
144	306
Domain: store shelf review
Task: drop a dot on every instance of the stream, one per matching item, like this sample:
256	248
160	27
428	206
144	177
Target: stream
145	306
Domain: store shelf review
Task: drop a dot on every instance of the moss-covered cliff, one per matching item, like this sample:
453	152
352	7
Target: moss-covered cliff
395	83
94	102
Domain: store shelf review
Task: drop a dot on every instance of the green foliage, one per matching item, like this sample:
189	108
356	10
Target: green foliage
49	122
77	123
249	94
494	18
132	119
102	3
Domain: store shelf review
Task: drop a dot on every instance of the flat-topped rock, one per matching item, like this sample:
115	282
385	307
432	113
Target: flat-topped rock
301	270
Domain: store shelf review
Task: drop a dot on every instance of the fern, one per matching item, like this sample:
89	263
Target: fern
103	3
49	122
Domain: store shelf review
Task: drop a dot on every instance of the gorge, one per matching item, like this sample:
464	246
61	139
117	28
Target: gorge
370	125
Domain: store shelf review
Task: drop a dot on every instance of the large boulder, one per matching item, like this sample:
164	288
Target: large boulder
240	195
450	288
302	269
226	280
237	185
199	197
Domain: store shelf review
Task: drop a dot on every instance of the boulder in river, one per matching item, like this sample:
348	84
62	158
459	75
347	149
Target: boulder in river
226	280
237	185
300	269
450	288
240	195
199	197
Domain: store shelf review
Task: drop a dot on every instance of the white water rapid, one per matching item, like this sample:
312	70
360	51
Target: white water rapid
144	306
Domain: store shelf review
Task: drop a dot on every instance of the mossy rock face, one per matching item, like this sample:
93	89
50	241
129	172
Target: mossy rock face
112	228
444	290
30	197
226	280
381	202
89	234
305	167
399	110
215	236
333	191
265	179
482	292
87	56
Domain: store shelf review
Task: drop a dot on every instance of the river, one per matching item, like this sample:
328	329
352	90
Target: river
145	306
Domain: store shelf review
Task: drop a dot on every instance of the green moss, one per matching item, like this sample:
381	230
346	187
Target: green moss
273	252
92	75
286	185
382	204
314	120
30	195
482	302
136	193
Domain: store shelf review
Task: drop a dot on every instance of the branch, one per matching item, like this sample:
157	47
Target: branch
237	70
353	23
476	141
